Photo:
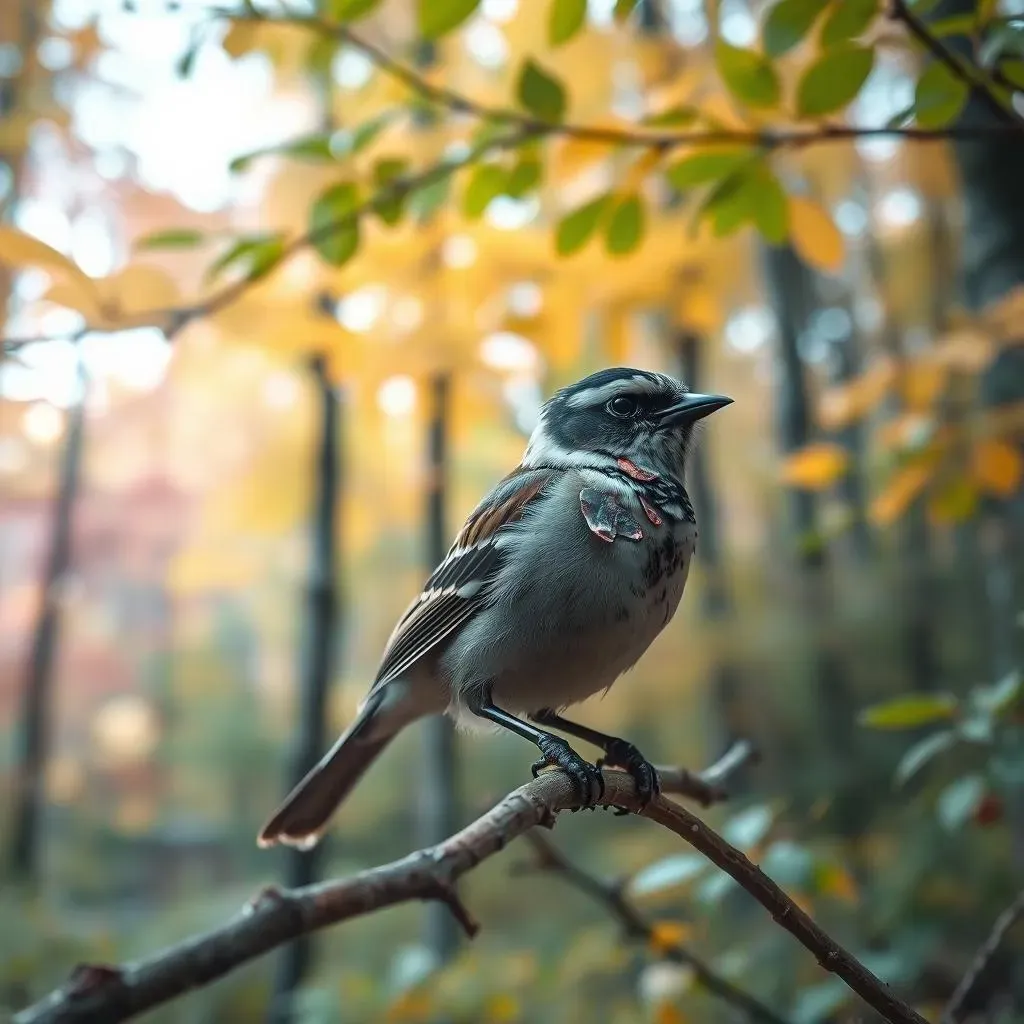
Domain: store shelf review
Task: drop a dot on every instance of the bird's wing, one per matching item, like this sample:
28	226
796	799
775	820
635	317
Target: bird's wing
458	586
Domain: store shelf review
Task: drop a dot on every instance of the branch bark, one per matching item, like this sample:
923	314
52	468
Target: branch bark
275	916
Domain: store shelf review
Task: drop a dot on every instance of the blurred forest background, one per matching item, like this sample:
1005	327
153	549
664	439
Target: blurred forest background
282	288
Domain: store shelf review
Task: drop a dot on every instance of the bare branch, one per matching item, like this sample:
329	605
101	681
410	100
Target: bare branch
611	896
275	916
1006	920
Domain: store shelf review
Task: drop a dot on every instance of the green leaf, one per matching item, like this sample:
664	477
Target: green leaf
833	80
187	61
1013	72
314	148
623	9
675	117
541	93
847	20
747	828
625	226
1002	40
565	19
748	75
955	25
333	224
525	177
958	801
173	238
390	205
788	863
667	873
256	254
705	167
428	199
750	194
922	752
1000	696
910	712
788	23
350	10
771	207
438	17
486	182
576	228
939	97
348	142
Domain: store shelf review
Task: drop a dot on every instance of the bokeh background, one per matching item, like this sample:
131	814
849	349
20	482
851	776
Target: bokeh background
211	514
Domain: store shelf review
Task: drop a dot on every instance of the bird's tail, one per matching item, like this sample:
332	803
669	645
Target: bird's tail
305	812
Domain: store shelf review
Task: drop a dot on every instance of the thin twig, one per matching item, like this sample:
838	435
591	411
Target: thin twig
275	916
965	71
611	896
1006	920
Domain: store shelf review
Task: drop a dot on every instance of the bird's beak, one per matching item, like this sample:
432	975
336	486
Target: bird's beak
692	407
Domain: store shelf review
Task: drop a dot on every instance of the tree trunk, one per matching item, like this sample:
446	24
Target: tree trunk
317	666
34	717
438	797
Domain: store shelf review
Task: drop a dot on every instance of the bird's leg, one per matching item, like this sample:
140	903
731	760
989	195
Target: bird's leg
617	752
556	750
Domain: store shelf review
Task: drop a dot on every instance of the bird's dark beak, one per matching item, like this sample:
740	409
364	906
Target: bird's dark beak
692	407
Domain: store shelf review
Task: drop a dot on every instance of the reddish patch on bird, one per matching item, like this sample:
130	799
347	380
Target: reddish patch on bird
633	470
652	512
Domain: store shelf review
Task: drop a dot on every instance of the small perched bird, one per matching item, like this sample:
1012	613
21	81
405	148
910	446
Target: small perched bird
556	584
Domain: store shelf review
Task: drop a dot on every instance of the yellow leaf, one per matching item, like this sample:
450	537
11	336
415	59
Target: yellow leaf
847	403
815	467
501	1009
20	250
967	350
815	235
241	38
997	467
904	487
668	935
954	502
668	1013
923	383
835	880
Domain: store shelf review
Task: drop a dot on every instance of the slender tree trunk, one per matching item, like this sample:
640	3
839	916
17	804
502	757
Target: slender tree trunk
317	666
438	797
34	716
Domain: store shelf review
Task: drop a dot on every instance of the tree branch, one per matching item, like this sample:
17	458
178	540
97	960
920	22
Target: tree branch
968	73
611	896
275	916
1006	920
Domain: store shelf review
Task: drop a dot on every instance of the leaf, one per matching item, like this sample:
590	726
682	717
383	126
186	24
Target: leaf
954	25
748	75
910	711
998	467
257	254
787	863
565	19
541	93
939	96
922	752
575	229
667	936
173	238
436	18
750	194
771	206
667	874
623	9
350	10
815	236
815	467
333	225
315	148
1013	72
788	23
705	167
958	801
1000	696
625	226
678	116
903	489
525	177
486	182
749	827
18	249
833	80
848	19
836	881
429	198
955	501
390	205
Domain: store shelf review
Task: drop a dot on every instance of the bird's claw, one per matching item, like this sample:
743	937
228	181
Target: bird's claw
622	754
587	779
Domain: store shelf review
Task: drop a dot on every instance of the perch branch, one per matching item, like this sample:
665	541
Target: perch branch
1006	920
610	895
275	916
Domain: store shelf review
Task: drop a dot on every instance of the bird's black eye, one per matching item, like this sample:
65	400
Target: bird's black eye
623	405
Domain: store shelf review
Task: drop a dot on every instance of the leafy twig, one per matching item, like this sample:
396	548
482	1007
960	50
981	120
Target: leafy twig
610	895
1006	920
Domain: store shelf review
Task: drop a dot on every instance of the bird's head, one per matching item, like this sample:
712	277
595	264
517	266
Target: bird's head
620	413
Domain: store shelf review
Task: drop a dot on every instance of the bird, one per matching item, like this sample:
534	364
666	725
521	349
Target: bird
557	583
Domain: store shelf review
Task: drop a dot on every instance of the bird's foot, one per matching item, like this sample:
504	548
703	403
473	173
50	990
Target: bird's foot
586	778
622	754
